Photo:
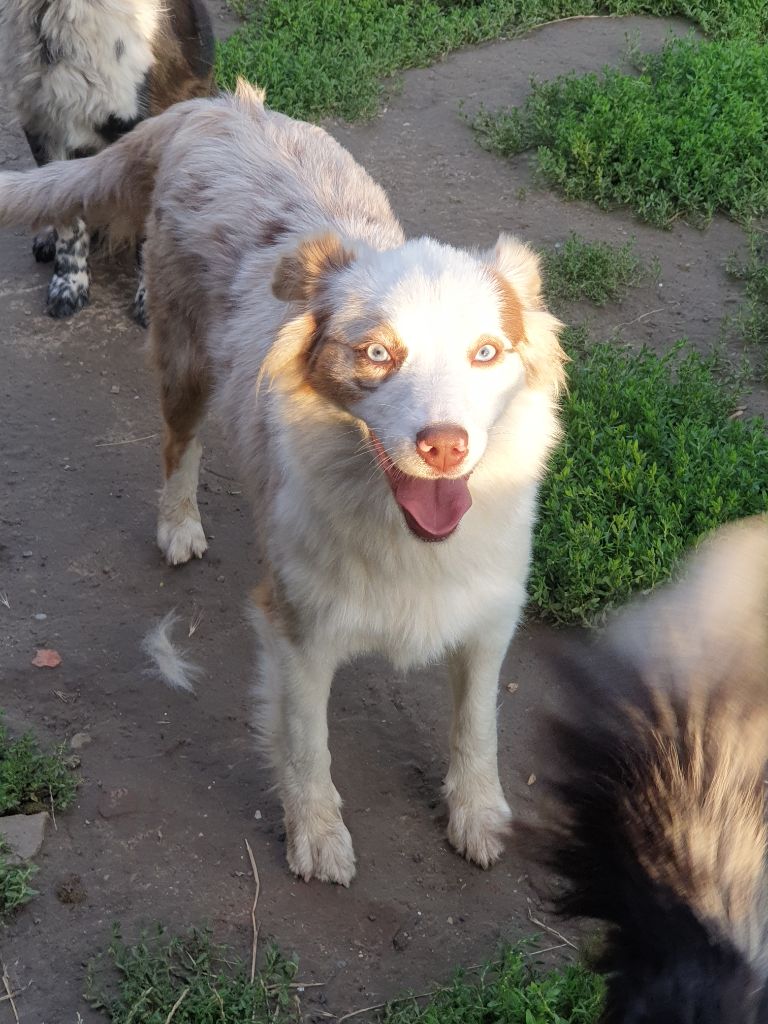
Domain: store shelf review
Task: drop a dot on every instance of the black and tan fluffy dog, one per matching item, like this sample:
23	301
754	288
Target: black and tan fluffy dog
81	73
659	818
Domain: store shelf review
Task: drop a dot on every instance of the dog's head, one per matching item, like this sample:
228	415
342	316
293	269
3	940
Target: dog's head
426	345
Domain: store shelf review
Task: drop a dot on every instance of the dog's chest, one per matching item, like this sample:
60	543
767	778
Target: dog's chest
405	599
74	66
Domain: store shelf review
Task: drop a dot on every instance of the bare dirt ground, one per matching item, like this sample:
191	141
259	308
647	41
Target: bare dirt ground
172	784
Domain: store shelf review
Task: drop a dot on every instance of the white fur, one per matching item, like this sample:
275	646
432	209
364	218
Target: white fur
169	663
180	534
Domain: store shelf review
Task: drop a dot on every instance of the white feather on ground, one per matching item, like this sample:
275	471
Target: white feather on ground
169	663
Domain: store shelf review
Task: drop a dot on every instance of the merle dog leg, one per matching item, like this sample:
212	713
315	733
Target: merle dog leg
69	287
140	314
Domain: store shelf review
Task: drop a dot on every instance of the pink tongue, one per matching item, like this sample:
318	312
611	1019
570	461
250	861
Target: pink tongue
433	508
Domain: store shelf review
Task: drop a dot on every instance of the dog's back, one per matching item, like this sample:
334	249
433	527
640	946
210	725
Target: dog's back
659	822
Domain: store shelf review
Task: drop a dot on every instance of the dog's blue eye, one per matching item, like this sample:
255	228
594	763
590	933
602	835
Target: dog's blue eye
377	353
486	354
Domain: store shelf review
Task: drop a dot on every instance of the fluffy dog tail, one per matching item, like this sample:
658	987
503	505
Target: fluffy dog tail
658	822
110	190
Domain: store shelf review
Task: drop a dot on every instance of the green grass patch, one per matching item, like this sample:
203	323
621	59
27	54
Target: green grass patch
31	780
688	137
512	991
751	322
650	461
144	981
205	982
596	271
323	57
15	889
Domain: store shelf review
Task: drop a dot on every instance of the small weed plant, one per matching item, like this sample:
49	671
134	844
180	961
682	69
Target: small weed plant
512	991
326	57
651	460
596	271
15	889
688	137
31	780
201	980
195	980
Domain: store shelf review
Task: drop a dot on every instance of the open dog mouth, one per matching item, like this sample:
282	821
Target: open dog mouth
432	508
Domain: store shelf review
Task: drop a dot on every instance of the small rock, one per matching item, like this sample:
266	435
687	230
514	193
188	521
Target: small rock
531	779
80	740
450	920
257	815
27	554
71	890
116	802
401	940
417	858
40	616
220	579
513	687
115	389
23	834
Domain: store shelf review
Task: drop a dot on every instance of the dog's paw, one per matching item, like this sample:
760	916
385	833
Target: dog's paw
67	295
44	245
181	541
324	853
478	832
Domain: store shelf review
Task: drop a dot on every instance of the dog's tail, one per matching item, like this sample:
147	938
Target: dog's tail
658	822
110	190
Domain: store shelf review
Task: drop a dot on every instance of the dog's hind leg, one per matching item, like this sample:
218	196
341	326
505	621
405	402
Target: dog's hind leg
185	387
479	815
295	686
140	314
69	287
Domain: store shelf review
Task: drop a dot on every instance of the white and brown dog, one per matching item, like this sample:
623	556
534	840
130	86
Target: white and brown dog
392	404
81	73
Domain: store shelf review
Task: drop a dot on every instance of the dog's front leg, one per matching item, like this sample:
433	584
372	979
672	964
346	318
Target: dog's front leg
296	684
479	815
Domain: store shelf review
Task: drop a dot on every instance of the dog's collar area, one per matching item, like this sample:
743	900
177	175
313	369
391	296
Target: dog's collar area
432	508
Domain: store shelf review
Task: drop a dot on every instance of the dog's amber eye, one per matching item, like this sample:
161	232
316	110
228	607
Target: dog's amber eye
486	353
377	353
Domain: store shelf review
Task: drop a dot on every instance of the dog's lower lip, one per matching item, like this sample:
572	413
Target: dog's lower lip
432	507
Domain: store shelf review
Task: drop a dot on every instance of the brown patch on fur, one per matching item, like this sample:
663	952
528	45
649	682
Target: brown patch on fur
543	361
184	53
308	356
185	382
270	598
300	274
272	231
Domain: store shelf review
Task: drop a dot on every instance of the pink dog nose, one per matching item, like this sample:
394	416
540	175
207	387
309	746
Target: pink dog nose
443	446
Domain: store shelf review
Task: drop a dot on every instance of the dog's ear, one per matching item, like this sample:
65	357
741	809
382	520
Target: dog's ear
301	273
520	267
529	327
